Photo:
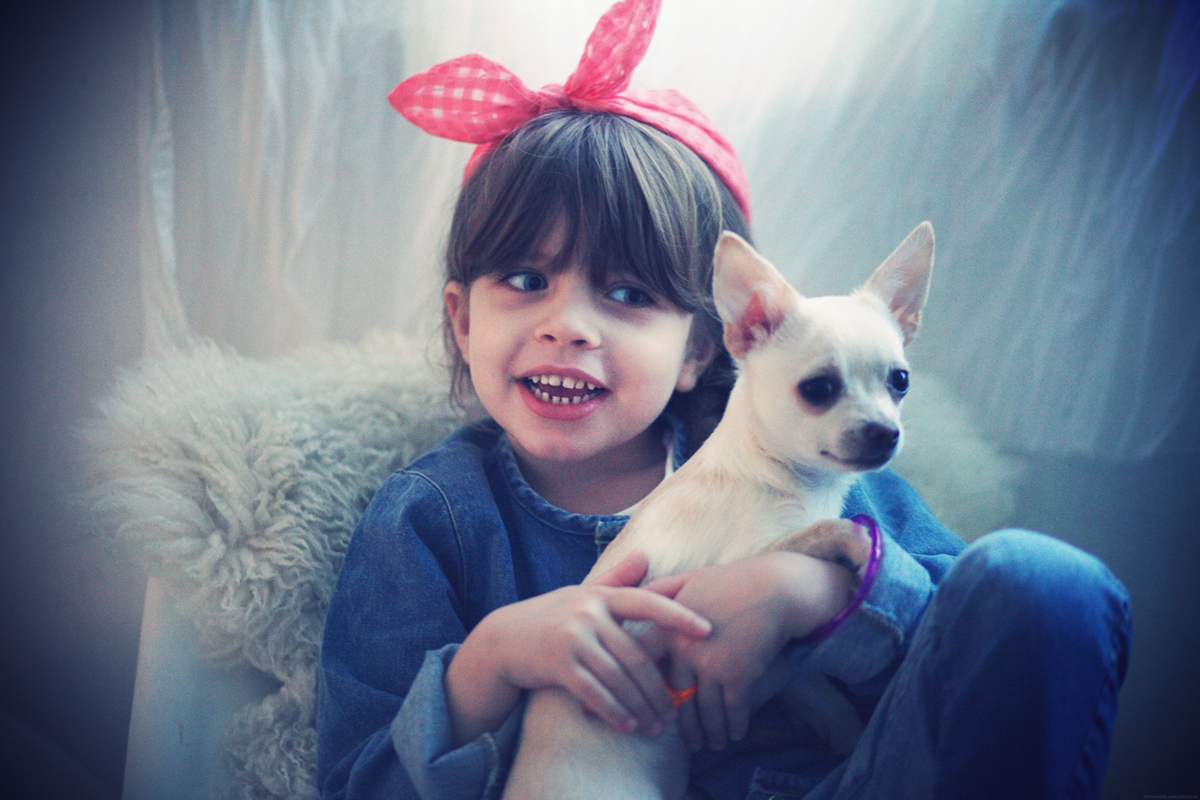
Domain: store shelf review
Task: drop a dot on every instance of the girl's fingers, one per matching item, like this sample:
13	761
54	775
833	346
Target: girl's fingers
777	676
630	700
689	721
643	678
710	705
737	713
591	692
639	604
629	572
689	726
669	585
653	641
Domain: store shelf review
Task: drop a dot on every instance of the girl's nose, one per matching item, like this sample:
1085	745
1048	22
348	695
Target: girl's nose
570	319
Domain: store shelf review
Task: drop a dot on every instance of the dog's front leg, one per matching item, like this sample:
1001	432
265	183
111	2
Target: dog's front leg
567	754
838	540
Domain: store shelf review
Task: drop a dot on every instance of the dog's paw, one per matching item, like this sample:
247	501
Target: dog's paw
839	540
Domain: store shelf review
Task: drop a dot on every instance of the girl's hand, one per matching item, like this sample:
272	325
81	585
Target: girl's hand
756	606
572	638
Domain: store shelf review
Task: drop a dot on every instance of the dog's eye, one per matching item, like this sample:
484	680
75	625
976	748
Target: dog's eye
820	390
898	381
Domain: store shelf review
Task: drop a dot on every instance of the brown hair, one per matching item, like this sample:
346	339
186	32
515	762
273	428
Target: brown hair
630	197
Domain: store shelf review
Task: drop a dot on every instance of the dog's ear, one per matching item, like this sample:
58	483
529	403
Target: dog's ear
751	296
902	280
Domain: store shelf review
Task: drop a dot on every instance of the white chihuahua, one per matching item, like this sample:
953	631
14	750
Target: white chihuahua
815	404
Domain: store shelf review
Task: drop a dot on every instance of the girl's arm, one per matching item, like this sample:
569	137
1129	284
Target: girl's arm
756	607
571	638
394	621
392	720
750	635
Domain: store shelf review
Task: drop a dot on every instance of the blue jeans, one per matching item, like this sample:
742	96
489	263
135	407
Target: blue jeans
1009	689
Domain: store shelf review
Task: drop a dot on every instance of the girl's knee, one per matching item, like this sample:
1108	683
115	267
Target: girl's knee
1022	653
1033	566
1039	587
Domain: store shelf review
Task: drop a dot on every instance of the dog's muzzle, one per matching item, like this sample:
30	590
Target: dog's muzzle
872	445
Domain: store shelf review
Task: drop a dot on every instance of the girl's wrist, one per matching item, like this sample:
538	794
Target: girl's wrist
817	589
869	572
477	694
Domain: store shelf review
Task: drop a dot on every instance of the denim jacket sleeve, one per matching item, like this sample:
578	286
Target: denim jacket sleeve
395	620
423	739
917	552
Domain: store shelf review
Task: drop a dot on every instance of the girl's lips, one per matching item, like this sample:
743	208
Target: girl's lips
560	411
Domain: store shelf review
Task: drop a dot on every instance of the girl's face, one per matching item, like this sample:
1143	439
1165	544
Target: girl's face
572	371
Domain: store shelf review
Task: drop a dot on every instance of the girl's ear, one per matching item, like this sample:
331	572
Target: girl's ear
456	297
700	354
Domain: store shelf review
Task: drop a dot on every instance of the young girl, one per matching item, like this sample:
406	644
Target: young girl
579	313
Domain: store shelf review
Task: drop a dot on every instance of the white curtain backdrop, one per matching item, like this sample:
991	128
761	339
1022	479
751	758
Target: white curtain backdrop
1054	145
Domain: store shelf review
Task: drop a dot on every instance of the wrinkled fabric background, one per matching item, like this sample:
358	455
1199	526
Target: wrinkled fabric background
1052	144
233	170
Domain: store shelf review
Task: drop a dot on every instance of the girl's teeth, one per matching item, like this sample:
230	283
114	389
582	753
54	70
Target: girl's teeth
567	383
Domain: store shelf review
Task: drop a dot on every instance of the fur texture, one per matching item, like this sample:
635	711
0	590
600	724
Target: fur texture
238	482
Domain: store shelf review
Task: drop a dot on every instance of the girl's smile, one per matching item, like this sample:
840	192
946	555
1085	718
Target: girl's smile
562	395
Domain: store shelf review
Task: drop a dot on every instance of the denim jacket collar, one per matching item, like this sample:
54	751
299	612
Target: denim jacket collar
602	527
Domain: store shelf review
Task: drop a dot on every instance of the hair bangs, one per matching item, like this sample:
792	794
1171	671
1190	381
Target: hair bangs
632	201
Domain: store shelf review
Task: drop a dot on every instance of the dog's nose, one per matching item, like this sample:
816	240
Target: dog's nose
879	439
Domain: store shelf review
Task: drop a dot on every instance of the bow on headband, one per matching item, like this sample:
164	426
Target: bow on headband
474	99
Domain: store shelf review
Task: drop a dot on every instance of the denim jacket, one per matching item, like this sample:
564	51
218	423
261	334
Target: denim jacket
459	533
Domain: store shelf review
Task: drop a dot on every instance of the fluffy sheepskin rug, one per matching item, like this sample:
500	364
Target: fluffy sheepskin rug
238	482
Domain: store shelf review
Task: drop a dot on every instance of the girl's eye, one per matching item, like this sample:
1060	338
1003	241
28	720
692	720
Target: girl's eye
527	281
631	296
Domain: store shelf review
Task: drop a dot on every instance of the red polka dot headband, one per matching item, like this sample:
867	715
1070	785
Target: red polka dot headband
473	99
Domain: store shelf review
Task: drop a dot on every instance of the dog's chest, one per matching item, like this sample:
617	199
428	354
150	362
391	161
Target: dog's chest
682	533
